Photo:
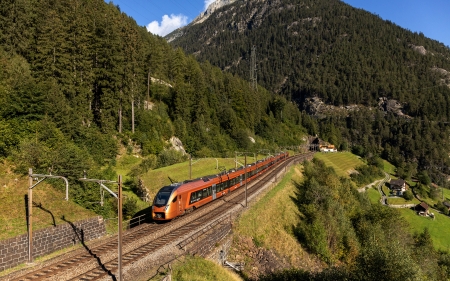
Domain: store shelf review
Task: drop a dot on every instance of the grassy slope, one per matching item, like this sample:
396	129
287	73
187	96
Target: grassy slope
438	227
271	220
374	195
342	162
198	269
13	189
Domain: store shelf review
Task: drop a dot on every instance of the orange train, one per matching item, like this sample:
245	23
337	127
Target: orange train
180	198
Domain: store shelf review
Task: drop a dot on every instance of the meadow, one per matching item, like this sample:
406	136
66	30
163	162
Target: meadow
344	163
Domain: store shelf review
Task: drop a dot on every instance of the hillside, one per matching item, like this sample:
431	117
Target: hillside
49	208
79	80
373	85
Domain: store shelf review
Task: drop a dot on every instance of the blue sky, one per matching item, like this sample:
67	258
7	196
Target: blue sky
432	17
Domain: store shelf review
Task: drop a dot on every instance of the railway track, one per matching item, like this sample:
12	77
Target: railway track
100	262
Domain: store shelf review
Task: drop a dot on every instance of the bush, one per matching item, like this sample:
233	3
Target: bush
408	195
442	208
129	208
170	157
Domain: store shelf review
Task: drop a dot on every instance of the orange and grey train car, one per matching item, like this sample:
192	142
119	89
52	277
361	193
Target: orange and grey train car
179	198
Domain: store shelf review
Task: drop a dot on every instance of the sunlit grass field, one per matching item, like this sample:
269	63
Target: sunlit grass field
438	228
344	163
374	195
49	209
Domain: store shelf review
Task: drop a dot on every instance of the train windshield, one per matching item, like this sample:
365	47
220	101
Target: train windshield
162	197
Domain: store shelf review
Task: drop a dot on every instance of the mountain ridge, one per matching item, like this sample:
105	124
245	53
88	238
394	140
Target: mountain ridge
342	55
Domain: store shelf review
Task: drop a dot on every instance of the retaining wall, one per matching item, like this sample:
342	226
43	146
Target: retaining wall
15	250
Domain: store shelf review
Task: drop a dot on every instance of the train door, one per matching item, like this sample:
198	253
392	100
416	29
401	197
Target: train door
240	179
214	191
180	209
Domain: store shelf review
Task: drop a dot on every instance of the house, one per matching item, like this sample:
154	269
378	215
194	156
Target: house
397	186
327	148
422	209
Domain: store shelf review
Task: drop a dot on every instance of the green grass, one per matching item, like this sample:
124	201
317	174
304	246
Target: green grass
388	167
402	201
374	195
198	269
344	163
50	209
386	190
438	227
269	223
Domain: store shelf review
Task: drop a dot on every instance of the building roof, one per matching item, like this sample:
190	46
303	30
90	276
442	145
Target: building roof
424	206
446	204
398	182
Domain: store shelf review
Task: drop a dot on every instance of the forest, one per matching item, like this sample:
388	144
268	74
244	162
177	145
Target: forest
80	79
344	56
357	239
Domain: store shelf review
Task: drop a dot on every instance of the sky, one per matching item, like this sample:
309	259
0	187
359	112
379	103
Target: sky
431	17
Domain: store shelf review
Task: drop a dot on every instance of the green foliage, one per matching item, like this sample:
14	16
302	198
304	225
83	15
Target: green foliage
366	174
326	203
408	195
169	157
129	208
148	163
424	178
340	57
442	208
421	190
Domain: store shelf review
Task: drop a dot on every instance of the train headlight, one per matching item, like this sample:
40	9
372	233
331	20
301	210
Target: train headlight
166	208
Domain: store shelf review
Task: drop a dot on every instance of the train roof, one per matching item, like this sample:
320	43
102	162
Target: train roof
205	181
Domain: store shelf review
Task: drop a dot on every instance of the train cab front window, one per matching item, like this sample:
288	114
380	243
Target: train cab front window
162	198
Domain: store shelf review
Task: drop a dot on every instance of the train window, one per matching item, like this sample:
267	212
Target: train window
162	198
174	200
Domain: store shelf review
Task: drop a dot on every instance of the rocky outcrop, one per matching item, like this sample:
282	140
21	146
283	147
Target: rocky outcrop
177	145
390	105
210	10
420	49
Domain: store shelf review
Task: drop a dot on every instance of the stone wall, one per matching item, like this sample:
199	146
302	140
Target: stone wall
15	250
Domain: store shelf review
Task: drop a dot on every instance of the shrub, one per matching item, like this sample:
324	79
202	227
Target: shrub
129	208
170	157
408	195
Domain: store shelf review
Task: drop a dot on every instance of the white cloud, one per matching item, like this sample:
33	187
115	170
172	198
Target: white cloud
168	24
207	3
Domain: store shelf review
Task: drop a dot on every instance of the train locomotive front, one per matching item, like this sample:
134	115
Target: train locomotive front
165	203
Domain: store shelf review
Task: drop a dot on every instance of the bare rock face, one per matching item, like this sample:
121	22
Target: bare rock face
420	49
177	144
211	8
390	105
142	191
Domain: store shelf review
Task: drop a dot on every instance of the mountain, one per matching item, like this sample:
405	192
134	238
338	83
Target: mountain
348	59
81	82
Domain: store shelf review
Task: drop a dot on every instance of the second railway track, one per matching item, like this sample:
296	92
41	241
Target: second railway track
100	262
